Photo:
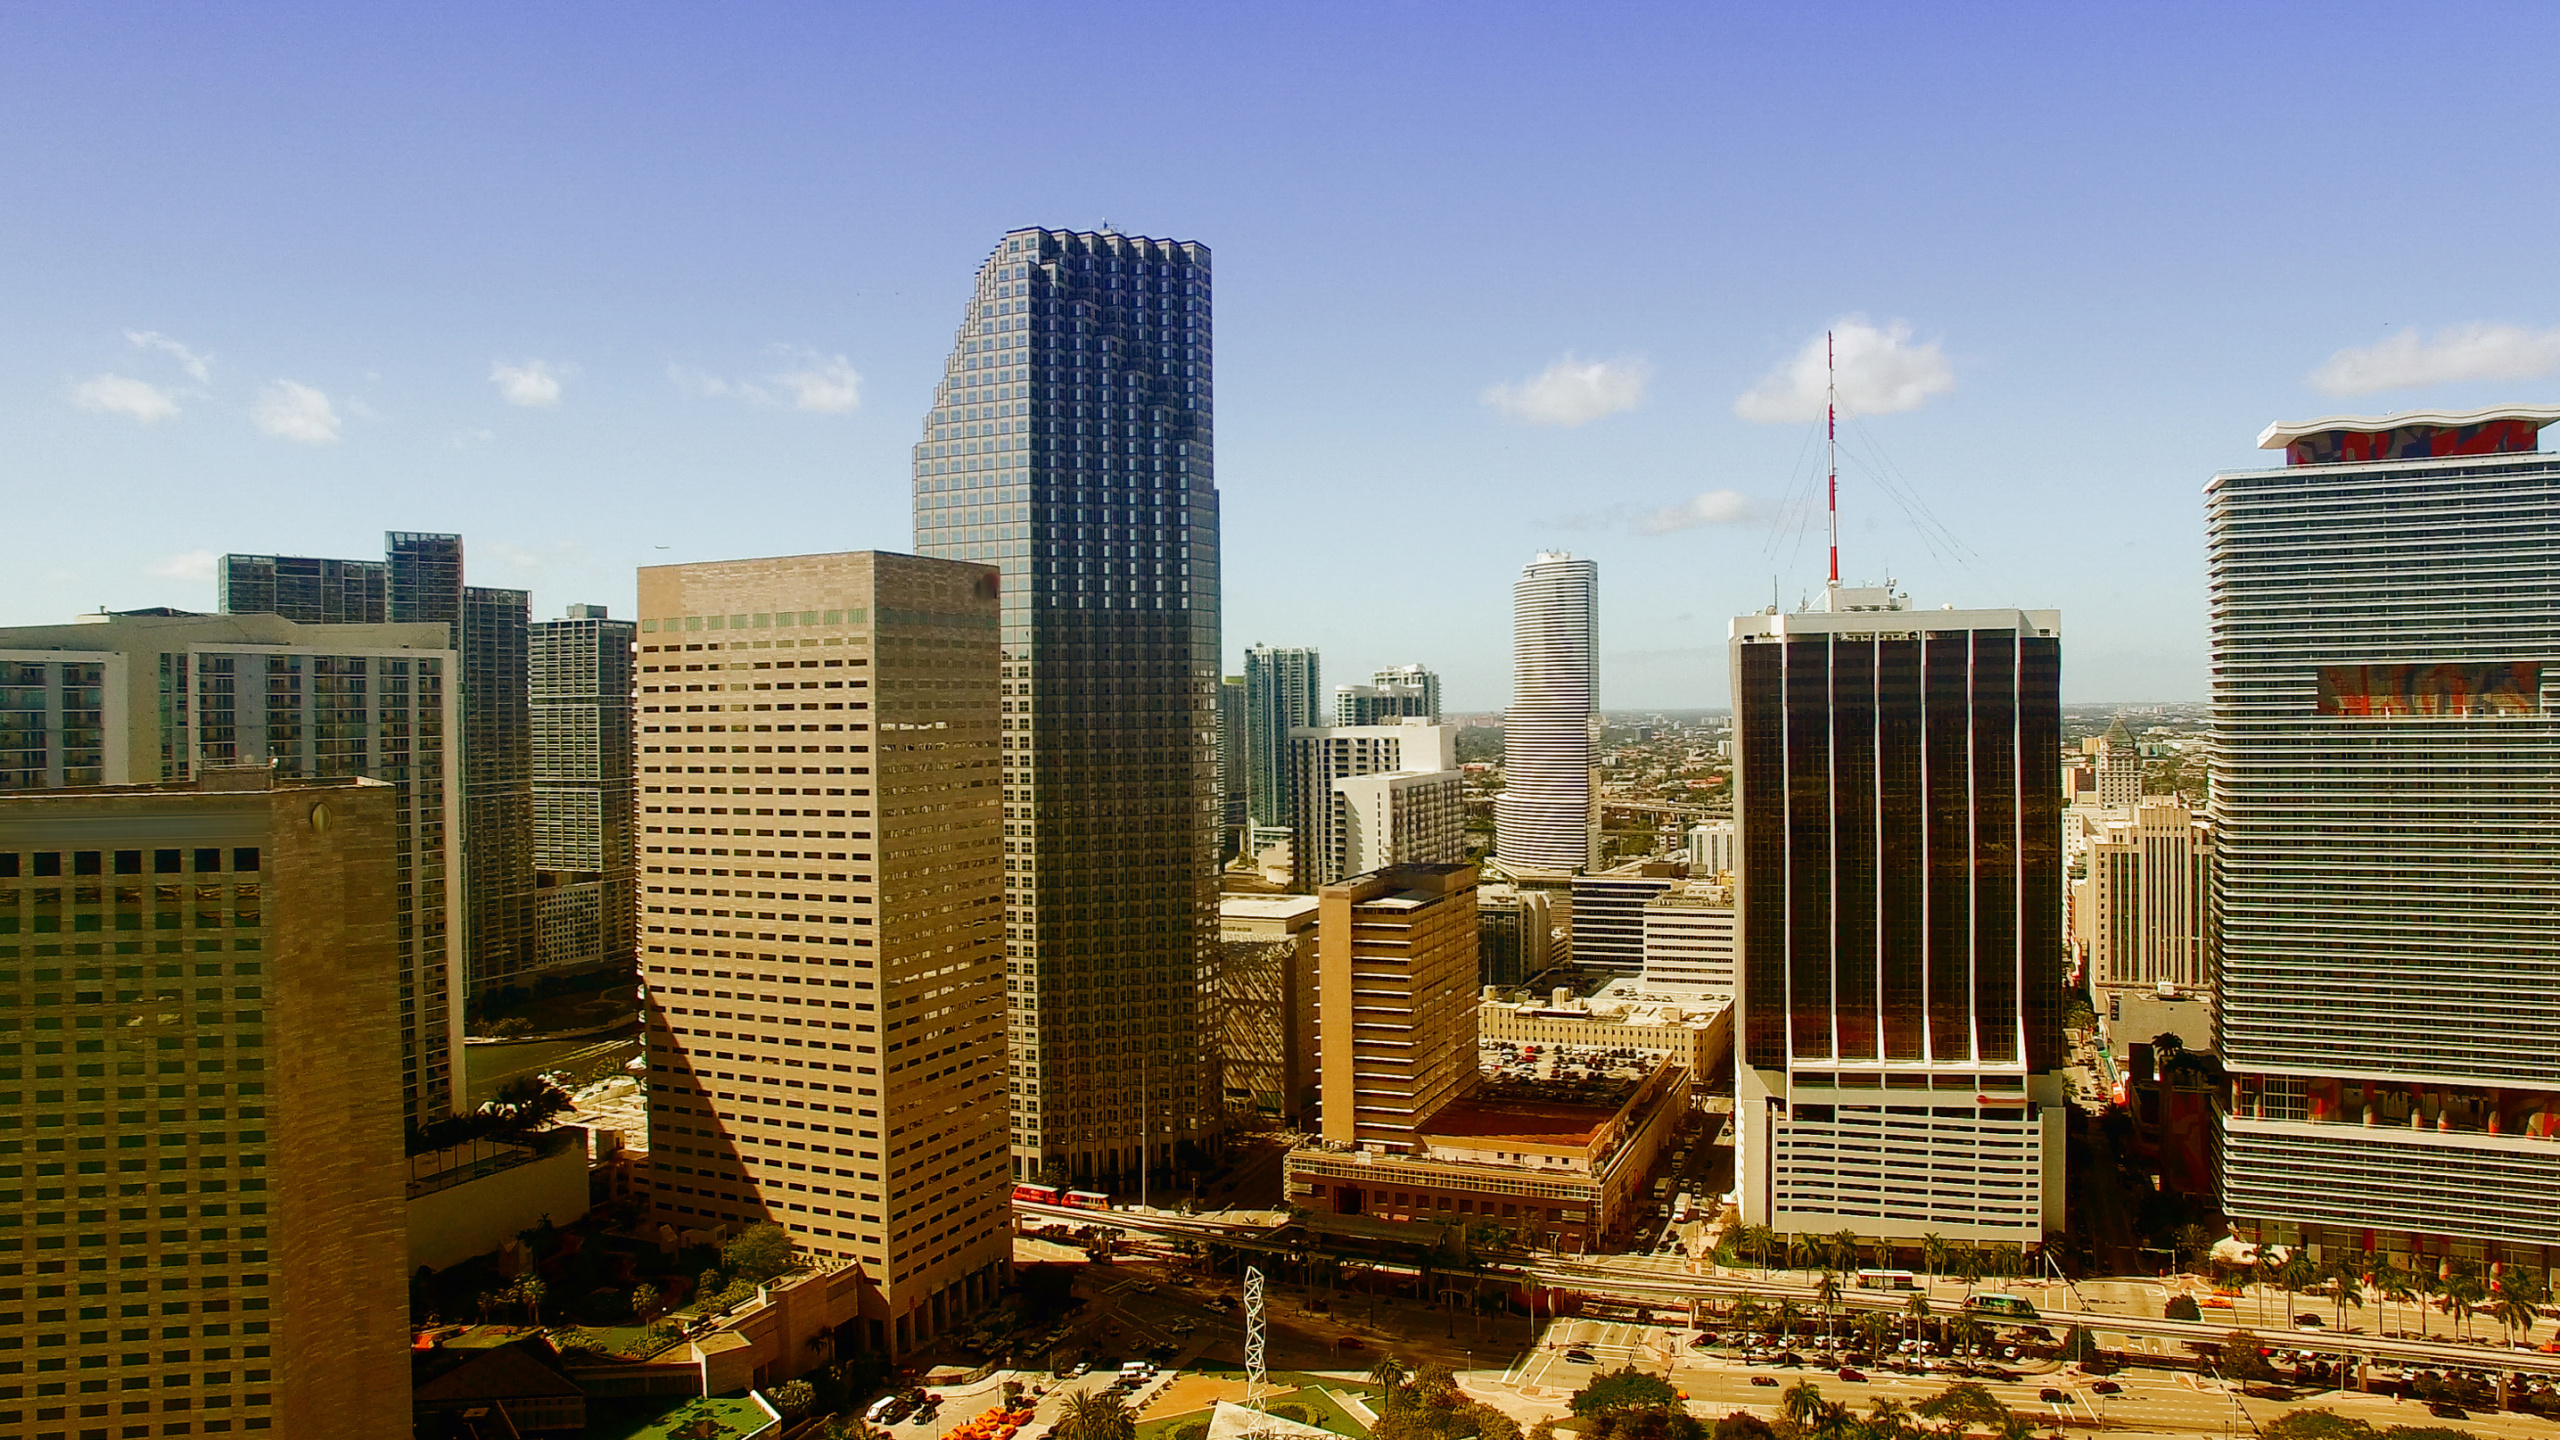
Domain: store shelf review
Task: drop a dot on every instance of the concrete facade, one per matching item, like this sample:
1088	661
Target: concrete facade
1367	797
821	855
225	952
1398	1009
165	693
1267	998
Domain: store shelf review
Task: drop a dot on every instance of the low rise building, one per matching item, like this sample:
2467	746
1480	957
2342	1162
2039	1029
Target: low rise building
1621	1017
1558	1158
1608	912
1688	941
1517	934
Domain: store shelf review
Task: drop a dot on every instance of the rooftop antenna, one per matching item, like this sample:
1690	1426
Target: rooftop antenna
1831	439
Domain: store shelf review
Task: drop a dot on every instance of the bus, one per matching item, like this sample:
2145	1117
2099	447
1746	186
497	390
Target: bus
1036	1194
1682	1208
1887	1280
2007	1307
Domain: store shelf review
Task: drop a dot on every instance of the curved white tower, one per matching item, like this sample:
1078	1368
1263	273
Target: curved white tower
1544	818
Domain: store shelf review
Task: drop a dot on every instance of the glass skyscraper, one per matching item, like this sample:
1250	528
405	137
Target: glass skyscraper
2386	642
1070	444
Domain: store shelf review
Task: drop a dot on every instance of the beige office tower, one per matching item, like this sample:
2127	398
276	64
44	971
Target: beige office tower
151	695
2144	911
822	901
1398	1017
1266	1001
200	1123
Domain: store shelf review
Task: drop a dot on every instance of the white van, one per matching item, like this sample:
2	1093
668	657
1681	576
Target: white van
1136	1373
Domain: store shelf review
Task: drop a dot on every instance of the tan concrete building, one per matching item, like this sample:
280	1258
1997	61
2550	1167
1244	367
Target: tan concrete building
1559	1163
1267	998
2143	914
1398	1009
1688	940
203	1161
1696	1035
151	695
821	852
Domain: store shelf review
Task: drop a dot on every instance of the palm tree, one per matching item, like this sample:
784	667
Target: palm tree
2264	1266
2392	1284
2298	1273
2347	1274
1802	1402
2462	1290
1968	1265
1968	1334
2514	1306
1788	1314
1802	1249
1745	1311
1387	1374
2192	1241
1917	1307
1874	1328
1844	1249
1890	1419
1759	1241
1097	1415
1933	1253
1826	1292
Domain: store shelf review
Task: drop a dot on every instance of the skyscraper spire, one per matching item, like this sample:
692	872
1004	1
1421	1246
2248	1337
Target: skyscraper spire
1831	440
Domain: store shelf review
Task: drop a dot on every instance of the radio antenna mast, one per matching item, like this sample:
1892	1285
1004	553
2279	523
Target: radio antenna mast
1831	436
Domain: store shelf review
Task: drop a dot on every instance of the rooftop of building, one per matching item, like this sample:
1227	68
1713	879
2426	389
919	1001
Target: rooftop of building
1698	894
1266	907
1565	1097
209	780
2492	430
1623	1000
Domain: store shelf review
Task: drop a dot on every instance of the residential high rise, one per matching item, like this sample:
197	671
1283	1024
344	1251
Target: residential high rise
1232	817
420	580
585	847
822	846
1711	849
1545	817
2385	615
1897	778
2119	768
1070	445
1515	934
1280	695
1366	797
155	696
227	948
2145	909
1398	1014
1391	695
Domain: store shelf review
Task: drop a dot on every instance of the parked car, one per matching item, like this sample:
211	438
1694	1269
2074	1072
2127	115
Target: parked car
2050	1396
1580	1356
2308	1321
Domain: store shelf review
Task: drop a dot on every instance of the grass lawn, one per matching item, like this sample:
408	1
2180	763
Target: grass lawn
632	1341
732	1417
1318	1406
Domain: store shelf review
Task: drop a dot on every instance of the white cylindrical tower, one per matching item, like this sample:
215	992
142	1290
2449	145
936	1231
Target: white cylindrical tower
1545	819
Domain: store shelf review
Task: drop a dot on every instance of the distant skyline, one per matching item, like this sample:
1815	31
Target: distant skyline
290	276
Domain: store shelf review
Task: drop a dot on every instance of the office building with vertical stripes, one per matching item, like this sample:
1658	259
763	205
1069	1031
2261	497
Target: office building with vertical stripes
1545	818
1899	1040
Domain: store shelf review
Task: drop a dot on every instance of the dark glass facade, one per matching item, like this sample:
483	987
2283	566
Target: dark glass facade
1070	444
1901	837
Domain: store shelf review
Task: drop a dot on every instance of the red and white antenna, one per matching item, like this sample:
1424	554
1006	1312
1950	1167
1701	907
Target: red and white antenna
1831	427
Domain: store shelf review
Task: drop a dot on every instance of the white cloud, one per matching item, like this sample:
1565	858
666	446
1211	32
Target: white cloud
824	383
291	411
1880	373
1715	507
199	368
473	439
2459	352
193	565
124	395
535	382
1573	392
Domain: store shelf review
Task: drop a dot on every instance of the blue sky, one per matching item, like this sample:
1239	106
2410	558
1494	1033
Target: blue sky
584	281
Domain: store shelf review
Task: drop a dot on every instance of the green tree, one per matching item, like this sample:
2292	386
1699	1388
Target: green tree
1826	1293
1890	1419
793	1398
1626	1389
2515	1301
2316	1425
1388	1375
528	1292
644	1303
2181	1307
1963	1406
1933	1253
1844	1249
757	1253
2190	1243
2078	1346
1743	1425
2238	1358
2461	1291
707	1286
1097	1415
